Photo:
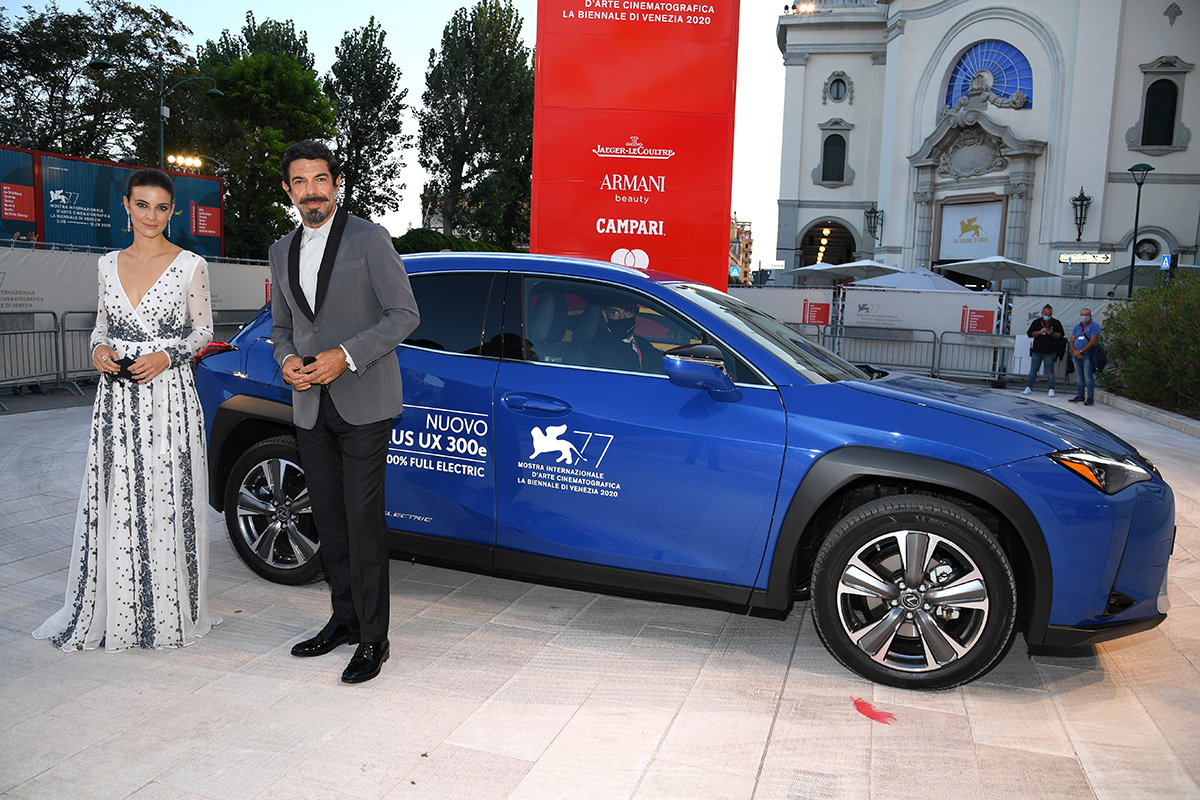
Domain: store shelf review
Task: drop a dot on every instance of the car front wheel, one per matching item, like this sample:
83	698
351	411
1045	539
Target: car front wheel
269	516
913	591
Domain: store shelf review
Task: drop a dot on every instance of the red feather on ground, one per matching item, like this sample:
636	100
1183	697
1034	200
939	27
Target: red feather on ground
870	711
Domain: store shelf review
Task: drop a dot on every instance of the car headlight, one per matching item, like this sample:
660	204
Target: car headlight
1108	474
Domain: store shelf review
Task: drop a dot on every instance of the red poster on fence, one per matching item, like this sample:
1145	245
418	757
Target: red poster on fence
17	202
815	313
976	320
633	133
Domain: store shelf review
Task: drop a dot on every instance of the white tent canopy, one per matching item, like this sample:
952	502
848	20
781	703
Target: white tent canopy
1144	273
865	268
998	268
920	279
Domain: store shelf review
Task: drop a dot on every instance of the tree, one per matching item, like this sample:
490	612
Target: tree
476	131
272	99
1152	349
363	86
47	87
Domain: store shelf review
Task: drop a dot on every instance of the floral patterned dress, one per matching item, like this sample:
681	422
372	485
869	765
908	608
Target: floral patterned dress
137	575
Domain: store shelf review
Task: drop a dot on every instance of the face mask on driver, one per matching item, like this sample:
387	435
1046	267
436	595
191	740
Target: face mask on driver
622	328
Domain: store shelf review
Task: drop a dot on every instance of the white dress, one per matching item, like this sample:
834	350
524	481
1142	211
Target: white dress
138	569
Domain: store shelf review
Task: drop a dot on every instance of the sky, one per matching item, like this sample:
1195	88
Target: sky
414	28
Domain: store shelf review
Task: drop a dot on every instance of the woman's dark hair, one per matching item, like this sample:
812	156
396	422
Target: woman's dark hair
310	150
150	177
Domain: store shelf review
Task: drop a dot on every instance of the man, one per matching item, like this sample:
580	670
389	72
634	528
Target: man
1045	331
615	345
342	302
1083	338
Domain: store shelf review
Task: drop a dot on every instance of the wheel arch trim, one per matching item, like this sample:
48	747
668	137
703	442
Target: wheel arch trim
228	416
839	468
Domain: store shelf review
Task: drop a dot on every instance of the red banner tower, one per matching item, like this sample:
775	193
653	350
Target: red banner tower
633	133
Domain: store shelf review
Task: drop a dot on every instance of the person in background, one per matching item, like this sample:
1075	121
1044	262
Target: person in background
1084	336
1045	331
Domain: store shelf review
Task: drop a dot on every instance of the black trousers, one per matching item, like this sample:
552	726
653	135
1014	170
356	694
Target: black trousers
344	465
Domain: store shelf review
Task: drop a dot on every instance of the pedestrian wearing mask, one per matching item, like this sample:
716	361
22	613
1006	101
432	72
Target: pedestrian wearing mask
1045	332
1084	336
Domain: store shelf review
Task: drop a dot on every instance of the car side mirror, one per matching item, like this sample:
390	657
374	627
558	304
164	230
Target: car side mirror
873	373
701	366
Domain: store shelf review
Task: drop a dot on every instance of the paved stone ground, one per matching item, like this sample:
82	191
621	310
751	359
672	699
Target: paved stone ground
503	689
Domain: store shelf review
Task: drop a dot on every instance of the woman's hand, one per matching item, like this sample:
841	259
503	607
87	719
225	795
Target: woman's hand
147	367
104	359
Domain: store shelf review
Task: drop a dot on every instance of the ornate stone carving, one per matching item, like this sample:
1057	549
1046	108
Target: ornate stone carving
844	78
922	198
1172	12
1016	189
979	95
970	152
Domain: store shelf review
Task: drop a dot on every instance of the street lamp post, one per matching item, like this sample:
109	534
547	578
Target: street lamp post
1139	172
26	139
194	161
163	112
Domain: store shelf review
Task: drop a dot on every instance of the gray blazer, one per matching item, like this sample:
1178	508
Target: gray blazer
364	303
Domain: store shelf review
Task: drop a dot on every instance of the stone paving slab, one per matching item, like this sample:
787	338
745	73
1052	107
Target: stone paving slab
504	689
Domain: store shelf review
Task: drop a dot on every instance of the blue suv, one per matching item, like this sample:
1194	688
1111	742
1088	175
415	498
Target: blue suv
603	428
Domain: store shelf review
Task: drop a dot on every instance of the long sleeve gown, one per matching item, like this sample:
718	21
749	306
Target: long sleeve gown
138	569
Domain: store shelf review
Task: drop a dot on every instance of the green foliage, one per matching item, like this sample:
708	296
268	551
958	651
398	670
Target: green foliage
363	87
47	87
1152	346
427	240
476	131
272	99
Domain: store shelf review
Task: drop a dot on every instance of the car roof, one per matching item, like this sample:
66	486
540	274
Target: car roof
532	262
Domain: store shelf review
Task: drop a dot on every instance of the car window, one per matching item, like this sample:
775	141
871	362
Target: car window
808	358
609	327
454	308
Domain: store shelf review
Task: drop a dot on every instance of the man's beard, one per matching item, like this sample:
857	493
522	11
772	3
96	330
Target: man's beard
317	215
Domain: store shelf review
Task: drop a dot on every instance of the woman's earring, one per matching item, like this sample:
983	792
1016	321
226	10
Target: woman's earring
129	222
168	227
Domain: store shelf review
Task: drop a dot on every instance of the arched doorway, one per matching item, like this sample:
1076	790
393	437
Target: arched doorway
825	242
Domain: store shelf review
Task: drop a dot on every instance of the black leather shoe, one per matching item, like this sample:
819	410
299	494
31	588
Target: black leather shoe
1089	402
332	635
1075	400
368	660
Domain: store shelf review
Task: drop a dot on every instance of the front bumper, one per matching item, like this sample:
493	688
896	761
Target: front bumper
1068	636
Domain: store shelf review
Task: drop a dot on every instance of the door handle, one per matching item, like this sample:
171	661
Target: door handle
548	405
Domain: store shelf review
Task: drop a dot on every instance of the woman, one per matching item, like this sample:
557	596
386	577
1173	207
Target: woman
137	575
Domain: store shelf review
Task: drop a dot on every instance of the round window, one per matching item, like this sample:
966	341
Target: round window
837	90
1146	250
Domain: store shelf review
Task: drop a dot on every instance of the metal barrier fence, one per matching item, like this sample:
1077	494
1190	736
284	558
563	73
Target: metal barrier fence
974	355
38	348
229	321
949	354
906	349
75	333
28	348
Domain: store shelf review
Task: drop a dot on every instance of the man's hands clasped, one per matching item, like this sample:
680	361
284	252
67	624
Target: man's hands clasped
324	369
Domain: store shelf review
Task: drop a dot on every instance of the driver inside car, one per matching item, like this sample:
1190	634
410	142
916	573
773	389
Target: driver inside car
616	346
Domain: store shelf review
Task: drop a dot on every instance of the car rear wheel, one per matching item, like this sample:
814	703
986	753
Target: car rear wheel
269	515
913	591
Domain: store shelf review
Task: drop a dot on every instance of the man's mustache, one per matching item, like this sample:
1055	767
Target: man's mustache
314	198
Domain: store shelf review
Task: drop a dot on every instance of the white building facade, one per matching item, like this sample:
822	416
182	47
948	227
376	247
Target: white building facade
921	132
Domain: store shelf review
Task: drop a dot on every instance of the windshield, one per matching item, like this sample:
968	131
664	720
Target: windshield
808	358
